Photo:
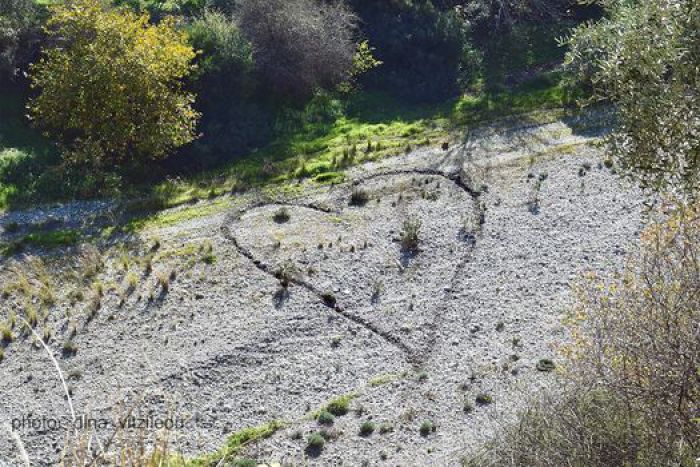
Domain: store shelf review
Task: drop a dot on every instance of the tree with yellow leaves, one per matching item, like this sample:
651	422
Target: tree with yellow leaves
110	86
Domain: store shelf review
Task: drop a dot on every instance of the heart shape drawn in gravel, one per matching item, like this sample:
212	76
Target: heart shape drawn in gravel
352	258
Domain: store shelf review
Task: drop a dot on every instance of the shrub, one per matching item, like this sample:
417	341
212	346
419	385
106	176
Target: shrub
19	35
286	273
483	399
631	390
315	442
339	407
133	106
410	234
325	418
329	298
386	428
426	428
648	318
7	335
359	197
281	215
367	428
300	45
545	365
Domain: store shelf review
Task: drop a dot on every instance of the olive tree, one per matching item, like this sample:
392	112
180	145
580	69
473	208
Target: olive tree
645	58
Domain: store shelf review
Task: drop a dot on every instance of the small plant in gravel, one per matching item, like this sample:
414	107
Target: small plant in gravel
7	335
385	428
500	326
281	216
329	298
377	289
339	406
358	197
410	234
164	282
484	399
315	442
367	428
98	287
468	407
286	272
426	428
206	251
545	365
31	315
132	281
325	418
70	348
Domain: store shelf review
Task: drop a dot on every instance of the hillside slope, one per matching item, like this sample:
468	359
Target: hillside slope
191	320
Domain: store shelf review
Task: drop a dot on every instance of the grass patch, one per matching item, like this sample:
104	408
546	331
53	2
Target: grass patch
236	442
168	218
49	240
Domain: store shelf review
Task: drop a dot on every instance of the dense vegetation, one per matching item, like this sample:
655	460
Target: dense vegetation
282	90
644	56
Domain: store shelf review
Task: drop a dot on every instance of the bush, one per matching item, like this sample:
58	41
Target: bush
339	407
300	45
359	197
410	234
491	16
315	442
133	106
648	317
281	216
325	418
426	428
367	428
425	52
235	119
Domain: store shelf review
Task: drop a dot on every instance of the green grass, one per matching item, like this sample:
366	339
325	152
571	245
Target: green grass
22	149
235	443
50	239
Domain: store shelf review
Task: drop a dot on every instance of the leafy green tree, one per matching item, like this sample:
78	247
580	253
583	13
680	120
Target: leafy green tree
111	89
645	58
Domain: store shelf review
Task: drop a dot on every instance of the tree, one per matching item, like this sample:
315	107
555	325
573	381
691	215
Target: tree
425	52
19	34
300	45
645	58
110	88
